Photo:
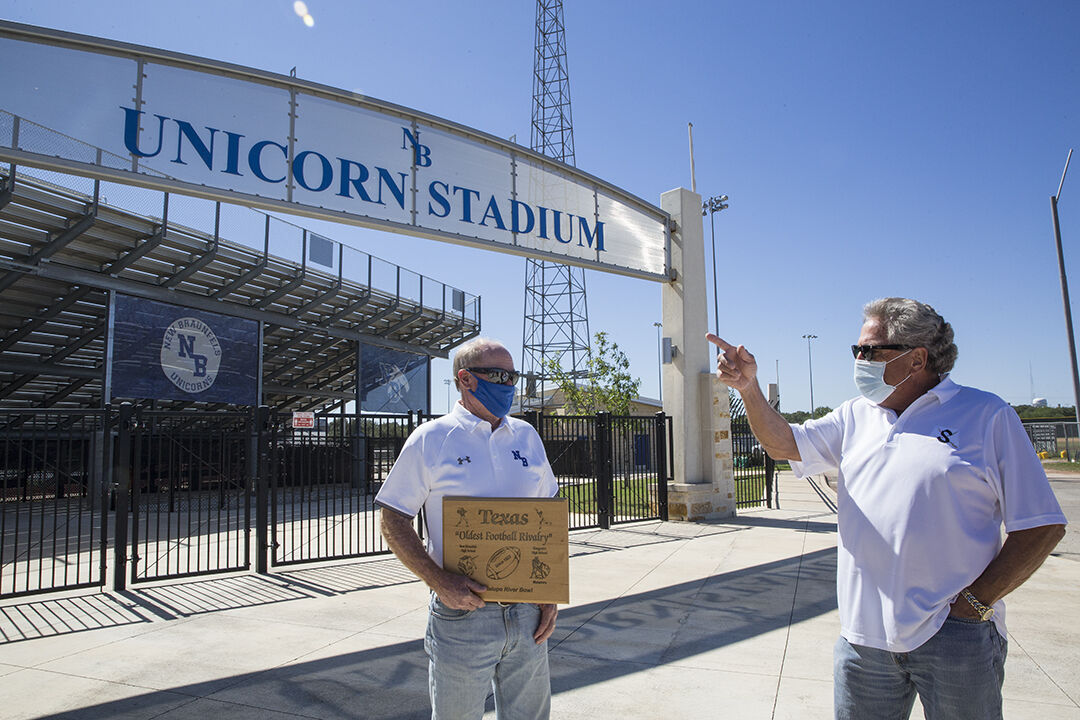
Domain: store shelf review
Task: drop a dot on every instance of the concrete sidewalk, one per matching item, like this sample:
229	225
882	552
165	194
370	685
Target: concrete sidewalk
732	619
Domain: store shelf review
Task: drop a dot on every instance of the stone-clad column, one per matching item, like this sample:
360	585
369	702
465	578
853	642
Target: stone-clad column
697	403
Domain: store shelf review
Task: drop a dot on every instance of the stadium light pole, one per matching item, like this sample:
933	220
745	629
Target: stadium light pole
659	363
810	361
1065	294
447	382
710	207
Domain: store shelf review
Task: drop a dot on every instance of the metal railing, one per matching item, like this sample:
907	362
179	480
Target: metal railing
189	493
753	468
1055	439
612	469
185	489
53	500
323	483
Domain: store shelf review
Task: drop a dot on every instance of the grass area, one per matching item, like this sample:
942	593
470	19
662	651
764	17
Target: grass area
631	499
1061	466
749	490
637	497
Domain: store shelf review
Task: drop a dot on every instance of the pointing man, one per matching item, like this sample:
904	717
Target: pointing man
928	472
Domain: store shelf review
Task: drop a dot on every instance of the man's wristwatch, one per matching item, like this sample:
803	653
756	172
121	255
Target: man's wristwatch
985	612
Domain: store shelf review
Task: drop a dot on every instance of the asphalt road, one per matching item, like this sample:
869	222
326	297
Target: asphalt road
1067	489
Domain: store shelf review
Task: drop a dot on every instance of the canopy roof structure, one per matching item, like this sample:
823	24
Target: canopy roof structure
64	248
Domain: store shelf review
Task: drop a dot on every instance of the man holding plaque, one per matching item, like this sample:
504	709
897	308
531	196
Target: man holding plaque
477	451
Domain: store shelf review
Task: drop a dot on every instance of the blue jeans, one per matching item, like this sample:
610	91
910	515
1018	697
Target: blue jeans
957	675
474	652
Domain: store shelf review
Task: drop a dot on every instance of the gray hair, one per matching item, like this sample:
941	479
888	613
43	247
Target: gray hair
910	322
471	353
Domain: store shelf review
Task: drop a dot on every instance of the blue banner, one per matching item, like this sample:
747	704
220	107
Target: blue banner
393	381
169	352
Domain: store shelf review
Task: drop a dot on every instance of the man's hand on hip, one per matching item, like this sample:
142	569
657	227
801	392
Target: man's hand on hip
546	626
961	608
459	592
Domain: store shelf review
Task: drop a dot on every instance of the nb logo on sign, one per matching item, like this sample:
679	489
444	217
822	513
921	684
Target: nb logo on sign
524	460
190	355
421	153
187	350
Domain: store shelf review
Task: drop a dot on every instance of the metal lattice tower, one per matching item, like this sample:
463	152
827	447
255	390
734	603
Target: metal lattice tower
556	312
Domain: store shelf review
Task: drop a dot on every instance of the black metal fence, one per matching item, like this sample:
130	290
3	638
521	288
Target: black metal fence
198	492
53	500
612	469
189	499
753	468
323	483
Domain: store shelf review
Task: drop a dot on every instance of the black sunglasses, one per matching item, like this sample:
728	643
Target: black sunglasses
497	375
868	351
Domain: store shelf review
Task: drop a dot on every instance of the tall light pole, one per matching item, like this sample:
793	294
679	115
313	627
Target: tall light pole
447	381
810	361
710	207
1065	292
659	362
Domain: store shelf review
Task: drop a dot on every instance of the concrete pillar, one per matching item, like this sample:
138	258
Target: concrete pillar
703	486
685	318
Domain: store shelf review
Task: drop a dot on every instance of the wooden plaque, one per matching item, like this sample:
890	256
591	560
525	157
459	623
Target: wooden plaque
518	547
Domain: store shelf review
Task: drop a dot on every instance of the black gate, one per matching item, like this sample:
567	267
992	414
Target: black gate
53	500
323	482
611	469
189	500
186	488
754	469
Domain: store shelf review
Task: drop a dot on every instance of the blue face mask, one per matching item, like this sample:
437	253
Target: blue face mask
495	397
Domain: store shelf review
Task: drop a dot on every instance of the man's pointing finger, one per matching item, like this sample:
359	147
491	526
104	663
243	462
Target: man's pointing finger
719	342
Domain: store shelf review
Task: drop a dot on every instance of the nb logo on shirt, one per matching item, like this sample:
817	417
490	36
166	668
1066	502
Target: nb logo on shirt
945	436
464	460
524	460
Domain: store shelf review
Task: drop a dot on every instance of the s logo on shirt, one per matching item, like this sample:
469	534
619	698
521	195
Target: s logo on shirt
945	436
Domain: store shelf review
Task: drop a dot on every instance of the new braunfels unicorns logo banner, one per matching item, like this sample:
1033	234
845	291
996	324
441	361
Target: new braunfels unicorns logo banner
168	352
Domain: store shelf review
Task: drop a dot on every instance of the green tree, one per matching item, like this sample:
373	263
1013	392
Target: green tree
797	417
1030	412
800	416
607	384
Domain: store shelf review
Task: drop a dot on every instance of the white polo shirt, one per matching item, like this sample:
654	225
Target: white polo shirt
458	454
921	502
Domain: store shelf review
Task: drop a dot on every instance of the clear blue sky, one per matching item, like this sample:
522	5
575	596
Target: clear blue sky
869	149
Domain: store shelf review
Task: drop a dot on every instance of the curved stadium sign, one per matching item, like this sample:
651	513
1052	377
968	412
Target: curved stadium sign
148	117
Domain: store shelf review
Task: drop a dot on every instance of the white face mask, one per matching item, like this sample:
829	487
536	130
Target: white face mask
870	379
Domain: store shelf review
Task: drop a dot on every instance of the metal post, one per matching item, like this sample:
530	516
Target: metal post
660	440
1065	297
810	362
259	467
605	485
712	206
122	489
659	362
1065	302
715	296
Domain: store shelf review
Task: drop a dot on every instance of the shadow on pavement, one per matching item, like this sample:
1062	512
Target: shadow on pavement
594	643
63	616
